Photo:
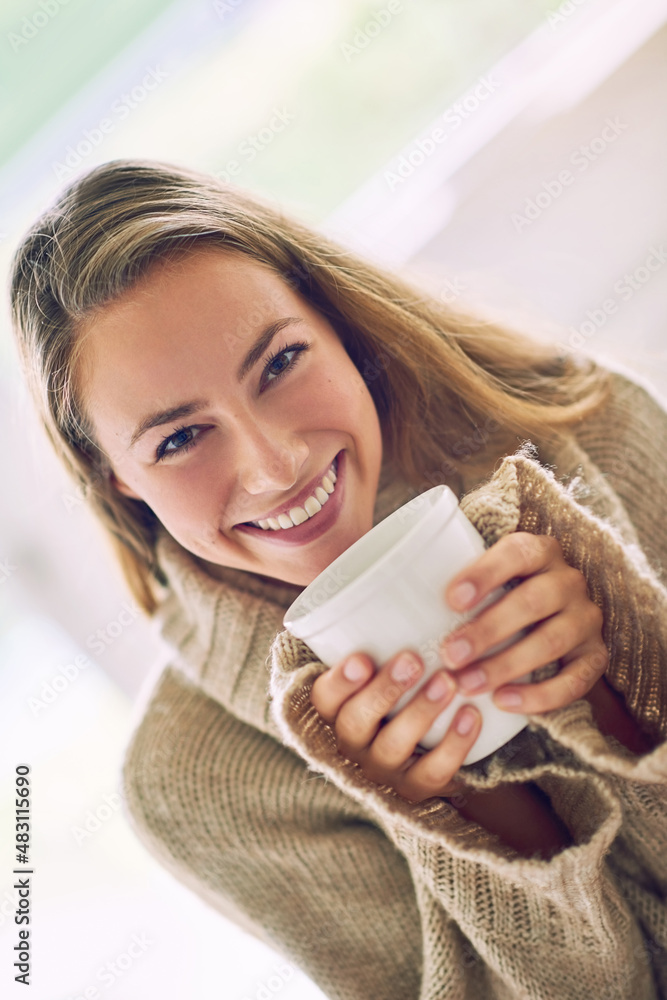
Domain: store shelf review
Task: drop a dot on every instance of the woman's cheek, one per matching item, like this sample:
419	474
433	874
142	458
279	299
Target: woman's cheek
185	493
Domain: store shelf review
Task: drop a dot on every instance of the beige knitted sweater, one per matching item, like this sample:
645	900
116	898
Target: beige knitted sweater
234	783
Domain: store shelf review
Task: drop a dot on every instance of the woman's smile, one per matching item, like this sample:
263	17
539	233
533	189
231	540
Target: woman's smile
298	525
230	406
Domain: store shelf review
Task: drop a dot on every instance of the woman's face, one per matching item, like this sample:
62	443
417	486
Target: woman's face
199	422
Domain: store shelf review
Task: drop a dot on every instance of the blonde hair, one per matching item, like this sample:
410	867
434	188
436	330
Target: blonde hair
446	383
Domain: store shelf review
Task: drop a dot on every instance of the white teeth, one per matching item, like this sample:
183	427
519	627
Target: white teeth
312	505
298	515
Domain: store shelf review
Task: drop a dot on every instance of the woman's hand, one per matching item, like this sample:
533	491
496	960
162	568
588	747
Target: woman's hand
553	598
354	699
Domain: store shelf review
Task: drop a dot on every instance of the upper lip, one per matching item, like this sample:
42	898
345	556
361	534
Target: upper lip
298	499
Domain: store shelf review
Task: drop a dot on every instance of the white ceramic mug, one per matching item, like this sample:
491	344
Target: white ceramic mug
385	593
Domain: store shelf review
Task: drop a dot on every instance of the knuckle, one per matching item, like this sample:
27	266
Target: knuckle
347	730
389	747
532	547
553	643
521	540
530	600
433	777
575	579
597	616
316	698
601	657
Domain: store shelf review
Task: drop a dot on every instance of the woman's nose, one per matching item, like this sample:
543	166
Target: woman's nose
268	463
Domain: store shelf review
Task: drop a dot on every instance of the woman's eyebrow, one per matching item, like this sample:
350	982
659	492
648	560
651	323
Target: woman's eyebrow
166	417
186	409
262	342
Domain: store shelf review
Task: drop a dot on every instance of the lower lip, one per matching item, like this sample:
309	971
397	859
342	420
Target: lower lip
315	526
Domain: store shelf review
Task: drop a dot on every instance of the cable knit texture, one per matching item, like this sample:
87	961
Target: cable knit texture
235	783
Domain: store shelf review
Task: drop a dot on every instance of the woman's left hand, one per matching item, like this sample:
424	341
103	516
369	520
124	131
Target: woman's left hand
554	599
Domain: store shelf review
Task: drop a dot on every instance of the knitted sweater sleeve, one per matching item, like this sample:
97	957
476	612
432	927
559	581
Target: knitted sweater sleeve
235	817
592	919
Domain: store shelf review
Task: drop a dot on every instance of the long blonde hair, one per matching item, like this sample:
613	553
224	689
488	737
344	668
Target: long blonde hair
447	384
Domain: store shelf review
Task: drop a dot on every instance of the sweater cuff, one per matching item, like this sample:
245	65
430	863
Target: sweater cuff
584	801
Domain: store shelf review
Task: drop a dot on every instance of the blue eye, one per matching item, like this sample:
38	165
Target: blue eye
284	365
180	439
185	438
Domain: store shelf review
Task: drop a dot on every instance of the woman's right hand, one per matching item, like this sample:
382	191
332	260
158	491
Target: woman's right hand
385	751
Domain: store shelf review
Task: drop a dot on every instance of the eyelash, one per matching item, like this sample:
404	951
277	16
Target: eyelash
299	347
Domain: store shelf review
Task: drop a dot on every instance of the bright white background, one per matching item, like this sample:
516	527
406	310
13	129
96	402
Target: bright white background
451	221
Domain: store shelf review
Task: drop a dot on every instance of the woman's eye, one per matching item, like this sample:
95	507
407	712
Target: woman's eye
182	440
283	360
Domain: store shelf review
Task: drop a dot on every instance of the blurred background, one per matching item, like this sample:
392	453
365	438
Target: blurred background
508	152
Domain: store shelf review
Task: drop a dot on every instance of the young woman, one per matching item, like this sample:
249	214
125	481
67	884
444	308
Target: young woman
242	400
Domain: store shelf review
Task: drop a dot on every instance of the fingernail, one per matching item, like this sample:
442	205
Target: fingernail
455	652
508	699
472	680
463	595
466	722
354	669
405	668
438	687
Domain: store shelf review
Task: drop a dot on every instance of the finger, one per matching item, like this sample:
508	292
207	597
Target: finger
558	636
535	599
360	717
333	687
517	554
434	773
397	739
572	682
